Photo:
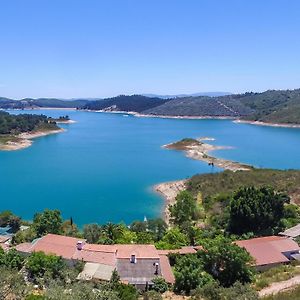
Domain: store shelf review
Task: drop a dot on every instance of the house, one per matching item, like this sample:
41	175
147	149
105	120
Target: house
136	264
5	242
292	232
270	251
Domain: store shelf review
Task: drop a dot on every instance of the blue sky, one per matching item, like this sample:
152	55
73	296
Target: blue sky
100	48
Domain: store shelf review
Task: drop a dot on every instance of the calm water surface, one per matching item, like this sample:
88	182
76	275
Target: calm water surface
103	167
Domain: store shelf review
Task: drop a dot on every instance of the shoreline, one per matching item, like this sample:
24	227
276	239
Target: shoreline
139	115
24	140
201	151
260	123
169	190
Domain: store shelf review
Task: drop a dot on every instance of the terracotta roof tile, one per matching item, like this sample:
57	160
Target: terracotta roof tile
140	251
269	250
166	270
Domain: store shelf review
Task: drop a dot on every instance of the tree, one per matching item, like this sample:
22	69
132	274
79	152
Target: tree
5	217
189	274
39	264
70	229
173	239
49	221
152	295
11	259
226	261
157	227
159	285
92	233
111	232
256	210
185	209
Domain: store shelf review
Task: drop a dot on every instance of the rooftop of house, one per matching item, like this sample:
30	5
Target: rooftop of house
135	263
292	232
269	249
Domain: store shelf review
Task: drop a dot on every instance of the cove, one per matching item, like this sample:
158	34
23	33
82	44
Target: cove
103	167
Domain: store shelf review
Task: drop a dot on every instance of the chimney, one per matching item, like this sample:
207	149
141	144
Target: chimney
79	245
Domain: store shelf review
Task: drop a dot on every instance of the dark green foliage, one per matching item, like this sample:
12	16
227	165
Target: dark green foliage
11	259
39	264
160	285
14	124
190	274
256	210
49	221
135	103
185	209
92	233
226	261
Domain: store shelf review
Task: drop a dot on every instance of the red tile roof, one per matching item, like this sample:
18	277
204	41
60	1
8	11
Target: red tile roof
140	251
183	250
166	270
270	249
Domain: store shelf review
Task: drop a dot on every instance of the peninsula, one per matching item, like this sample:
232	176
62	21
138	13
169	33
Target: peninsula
17	131
200	150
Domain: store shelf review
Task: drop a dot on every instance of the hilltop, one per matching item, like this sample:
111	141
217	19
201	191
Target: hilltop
273	106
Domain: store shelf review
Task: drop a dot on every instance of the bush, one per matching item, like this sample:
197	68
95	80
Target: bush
160	285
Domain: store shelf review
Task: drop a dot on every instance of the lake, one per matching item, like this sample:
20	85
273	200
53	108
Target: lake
103	167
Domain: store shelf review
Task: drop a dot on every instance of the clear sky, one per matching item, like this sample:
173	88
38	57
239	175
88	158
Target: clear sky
100	48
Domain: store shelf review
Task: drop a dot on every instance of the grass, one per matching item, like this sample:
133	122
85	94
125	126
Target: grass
227	182
293	294
276	274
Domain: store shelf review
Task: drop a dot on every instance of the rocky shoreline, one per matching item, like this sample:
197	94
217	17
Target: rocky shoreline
195	149
24	140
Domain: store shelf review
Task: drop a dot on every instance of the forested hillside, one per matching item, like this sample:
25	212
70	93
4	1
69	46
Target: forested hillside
15	124
136	103
272	106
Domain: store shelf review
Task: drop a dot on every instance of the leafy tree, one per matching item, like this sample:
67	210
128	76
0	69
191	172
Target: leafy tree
5	216
112	232
173	239
189	274
49	221
159	285
145	238
256	210
39	264
92	233
70	229
157	227
226	261
11	259
185	209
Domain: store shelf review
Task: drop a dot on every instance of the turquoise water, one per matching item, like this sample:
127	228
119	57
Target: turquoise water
103	167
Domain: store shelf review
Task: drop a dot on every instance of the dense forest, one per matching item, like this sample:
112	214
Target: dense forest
15	124
274	106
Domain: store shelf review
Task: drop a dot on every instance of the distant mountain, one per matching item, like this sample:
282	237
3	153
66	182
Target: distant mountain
209	94
273	106
6	103
134	103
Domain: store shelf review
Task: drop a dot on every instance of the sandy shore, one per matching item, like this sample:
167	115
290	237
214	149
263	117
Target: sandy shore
66	122
24	140
259	123
169	190
201	151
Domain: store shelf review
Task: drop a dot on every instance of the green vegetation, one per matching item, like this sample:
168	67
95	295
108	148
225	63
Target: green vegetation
210	185
184	144
276	274
256	210
293	294
15	124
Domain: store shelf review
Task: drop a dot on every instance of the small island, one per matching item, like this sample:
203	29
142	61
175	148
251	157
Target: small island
62	120
16	131
197	149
